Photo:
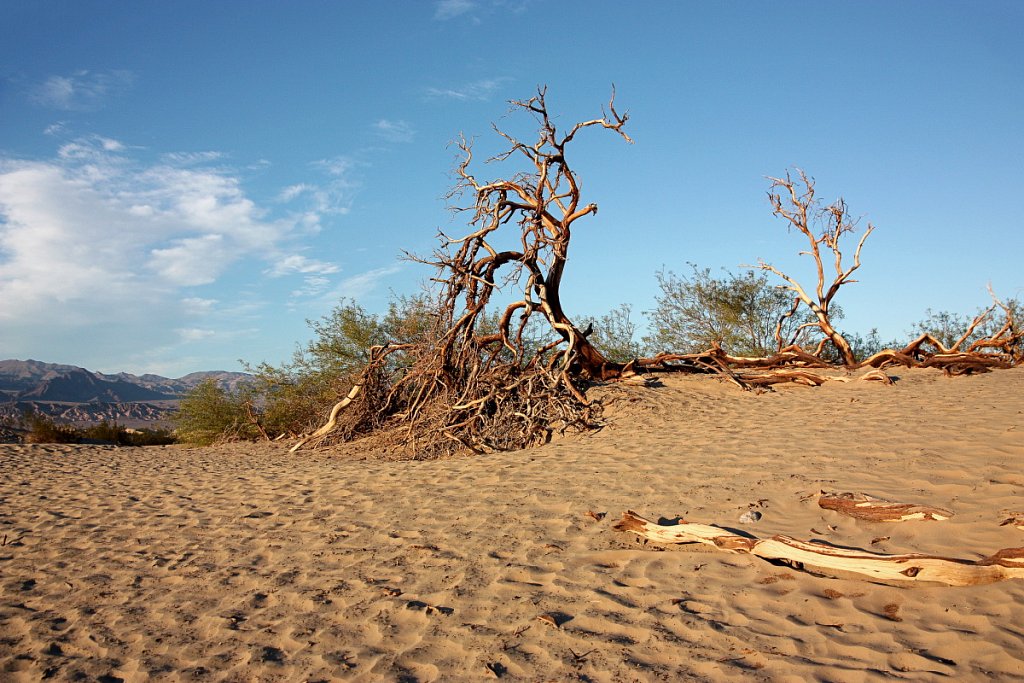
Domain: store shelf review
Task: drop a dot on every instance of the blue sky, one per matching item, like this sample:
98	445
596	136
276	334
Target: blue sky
183	184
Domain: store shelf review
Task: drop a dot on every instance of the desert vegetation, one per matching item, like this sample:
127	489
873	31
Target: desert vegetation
450	369
39	428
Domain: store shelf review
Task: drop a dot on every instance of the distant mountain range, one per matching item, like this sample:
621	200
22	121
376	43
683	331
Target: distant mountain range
73	394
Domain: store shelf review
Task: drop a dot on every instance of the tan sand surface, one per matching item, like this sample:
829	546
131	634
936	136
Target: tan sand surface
247	563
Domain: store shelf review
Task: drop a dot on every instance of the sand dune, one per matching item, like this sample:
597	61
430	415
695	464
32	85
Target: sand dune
247	563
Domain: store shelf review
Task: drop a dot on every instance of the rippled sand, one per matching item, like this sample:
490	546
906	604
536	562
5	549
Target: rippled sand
247	563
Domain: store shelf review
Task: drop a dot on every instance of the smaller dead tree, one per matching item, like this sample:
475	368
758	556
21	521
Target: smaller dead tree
1000	346
794	201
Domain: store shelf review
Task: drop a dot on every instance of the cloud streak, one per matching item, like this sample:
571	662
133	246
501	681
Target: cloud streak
449	9
81	91
475	91
394	131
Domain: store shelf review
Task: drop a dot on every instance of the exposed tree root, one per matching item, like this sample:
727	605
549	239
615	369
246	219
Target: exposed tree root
803	555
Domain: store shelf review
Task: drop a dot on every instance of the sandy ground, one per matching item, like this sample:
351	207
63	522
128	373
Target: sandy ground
246	563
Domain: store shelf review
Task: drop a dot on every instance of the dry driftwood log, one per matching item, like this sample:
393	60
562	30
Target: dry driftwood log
863	506
1005	564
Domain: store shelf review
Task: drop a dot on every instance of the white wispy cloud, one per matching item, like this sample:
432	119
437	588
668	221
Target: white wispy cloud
314	274
449	9
335	194
81	91
56	128
294	191
358	286
296	263
191	334
339	166
479	90
195	305
98	244
190	158
394	131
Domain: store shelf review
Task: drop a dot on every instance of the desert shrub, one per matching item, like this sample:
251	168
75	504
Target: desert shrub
862	345
209	414
945	326
738	311
106	431
614	334
38	428
42	429
411	319
122	436
296	395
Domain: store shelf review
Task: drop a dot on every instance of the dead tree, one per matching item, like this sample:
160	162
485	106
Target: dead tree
795	202
544	202
477	383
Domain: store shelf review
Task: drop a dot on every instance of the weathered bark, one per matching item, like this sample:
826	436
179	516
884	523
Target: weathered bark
545	202
1005	564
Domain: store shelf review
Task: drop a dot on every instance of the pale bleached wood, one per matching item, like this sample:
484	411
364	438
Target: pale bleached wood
863	506
332	421
1005	564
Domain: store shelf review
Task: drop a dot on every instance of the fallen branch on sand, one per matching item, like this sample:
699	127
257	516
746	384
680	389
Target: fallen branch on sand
1005	564
863	506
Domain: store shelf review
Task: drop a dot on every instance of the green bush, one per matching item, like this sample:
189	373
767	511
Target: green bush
614	334
738	311
209	414
39	428
159	436
105	431
122	436
296	396
948	328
